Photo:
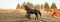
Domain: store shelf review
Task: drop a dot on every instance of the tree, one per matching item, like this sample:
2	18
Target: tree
18	6
22	5
53	6
38	7
46	5
29	4
41	6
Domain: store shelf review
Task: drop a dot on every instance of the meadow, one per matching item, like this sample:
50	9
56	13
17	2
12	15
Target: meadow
14	15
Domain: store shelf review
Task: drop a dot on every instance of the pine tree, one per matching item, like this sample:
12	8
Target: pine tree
18	6
22	6
53	6
46	5
38	7
29	4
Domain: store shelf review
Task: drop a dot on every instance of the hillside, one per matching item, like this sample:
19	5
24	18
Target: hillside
13	15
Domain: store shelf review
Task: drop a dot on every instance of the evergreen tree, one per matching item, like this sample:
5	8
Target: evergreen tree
38	7
53	6
29	4
46	5
22	6
18	6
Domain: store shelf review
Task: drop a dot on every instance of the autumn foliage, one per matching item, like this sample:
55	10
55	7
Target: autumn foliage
46	7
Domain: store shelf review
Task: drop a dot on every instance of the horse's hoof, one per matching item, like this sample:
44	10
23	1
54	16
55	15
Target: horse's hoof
36	19
28	18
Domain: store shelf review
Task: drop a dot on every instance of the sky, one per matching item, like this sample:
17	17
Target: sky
12	4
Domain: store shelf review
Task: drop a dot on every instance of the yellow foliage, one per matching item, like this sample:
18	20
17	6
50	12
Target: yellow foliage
29	4
22	6
37	7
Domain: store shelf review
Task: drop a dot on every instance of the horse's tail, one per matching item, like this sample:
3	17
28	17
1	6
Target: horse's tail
39	13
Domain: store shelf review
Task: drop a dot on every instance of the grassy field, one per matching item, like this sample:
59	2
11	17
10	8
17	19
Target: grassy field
19	16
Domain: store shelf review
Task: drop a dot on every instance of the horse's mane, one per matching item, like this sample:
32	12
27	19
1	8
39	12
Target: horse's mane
27	8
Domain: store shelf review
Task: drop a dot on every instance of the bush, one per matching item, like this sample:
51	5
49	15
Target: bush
28	16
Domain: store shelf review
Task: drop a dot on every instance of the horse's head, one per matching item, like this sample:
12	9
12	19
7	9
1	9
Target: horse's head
26	7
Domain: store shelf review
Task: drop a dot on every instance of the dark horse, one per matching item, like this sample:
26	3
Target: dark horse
32	11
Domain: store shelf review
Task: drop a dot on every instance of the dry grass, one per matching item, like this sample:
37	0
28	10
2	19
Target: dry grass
19	16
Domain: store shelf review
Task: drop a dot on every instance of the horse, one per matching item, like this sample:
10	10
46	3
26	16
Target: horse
32	11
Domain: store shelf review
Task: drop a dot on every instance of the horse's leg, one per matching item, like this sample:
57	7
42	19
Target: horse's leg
36	16
29	16
40	14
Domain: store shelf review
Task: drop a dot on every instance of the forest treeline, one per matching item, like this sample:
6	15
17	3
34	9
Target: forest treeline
37	6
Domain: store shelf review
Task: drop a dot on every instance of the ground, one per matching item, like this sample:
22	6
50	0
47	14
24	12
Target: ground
19	16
